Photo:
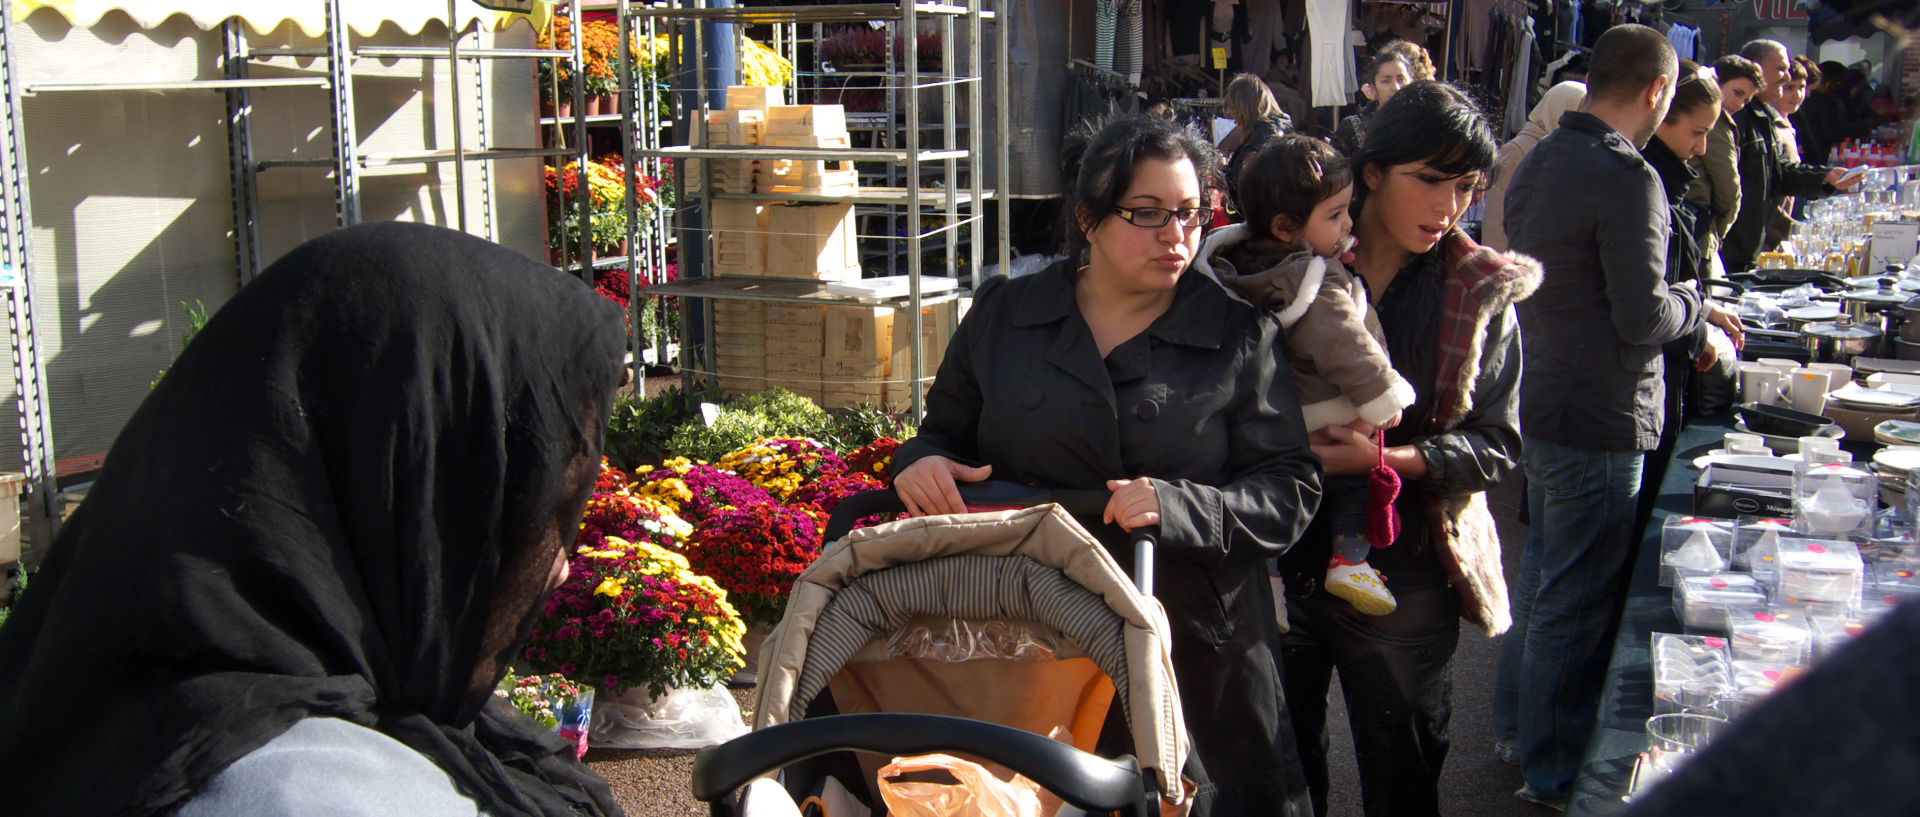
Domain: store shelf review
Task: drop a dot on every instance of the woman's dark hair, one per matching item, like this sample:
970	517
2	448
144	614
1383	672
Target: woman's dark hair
1290	177
1381	61
1430	123
1106	167
1692	91
1734	66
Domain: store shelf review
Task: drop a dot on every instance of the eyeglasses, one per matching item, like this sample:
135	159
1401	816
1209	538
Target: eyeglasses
1156	217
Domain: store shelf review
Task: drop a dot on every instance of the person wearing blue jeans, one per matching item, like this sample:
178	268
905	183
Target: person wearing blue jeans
1594	212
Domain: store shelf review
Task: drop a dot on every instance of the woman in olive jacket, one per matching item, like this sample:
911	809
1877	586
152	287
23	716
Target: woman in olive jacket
1121	370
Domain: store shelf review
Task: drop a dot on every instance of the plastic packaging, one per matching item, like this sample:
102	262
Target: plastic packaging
1701	601
686	718
1830	633
1694	544
1835	500
1756	541
1819	571
1690	673
958	641
1772	636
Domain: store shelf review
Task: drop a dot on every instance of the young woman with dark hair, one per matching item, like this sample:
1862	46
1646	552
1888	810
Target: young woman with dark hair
1384	76
1118	369
1445	304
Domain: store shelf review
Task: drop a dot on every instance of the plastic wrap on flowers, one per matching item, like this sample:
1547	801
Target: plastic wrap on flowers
756	552
684	718
555	702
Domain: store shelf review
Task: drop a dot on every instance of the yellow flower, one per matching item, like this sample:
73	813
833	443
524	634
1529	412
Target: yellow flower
611	588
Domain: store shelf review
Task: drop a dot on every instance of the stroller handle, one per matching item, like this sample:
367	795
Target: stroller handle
1089	782
1082	502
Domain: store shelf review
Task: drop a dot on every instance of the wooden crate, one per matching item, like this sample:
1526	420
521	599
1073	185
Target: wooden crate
812	241
793	314
795	340
753	97
738	128
740	237
781	365
937	322
850	395
823	120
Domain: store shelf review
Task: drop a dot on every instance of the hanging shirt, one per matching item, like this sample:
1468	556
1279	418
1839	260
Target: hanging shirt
1518	104
1333	69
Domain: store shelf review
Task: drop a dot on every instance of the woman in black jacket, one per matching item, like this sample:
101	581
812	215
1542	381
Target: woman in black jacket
1384	76
1681	136
1250	104
1119	369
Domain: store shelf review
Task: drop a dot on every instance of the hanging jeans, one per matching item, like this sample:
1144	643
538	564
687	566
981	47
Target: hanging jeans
1566	602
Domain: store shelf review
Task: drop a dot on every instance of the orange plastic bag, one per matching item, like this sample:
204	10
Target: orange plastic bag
977	794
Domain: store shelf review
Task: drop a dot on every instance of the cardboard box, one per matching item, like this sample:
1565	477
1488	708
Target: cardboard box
812	241
1730	491
824	120
859	334
754	97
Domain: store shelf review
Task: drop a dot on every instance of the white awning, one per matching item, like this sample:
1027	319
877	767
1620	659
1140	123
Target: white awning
363	17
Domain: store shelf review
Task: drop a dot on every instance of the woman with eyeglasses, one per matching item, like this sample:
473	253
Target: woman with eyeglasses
1119	369
1446	307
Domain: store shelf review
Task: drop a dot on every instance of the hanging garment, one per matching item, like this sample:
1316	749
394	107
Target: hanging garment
1333	69
1546	74
1104	14
1518	103
1683	38
1129	52
1266	29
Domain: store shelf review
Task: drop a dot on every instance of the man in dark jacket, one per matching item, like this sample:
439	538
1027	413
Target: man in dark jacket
1764	176
1589	207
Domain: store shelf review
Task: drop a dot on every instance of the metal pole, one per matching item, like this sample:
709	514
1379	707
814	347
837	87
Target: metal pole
910	21
480	132
629	182
584	205
346	172
241	170
453	92
976	139
1002	112
29	368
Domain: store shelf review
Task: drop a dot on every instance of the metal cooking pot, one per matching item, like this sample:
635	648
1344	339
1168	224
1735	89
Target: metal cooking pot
1879	306
1800	318
1910	320
1905	349
1842	340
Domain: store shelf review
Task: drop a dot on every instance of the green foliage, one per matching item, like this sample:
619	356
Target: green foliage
19	586
197	315
638	430
772	413
849	429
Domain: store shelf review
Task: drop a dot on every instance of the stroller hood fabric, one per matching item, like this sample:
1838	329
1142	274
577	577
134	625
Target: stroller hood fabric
1035	564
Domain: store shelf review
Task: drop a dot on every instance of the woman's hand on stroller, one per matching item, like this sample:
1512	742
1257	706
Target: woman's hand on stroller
1134	503
927	487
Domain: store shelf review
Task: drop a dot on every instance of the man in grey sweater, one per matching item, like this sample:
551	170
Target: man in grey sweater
1594	213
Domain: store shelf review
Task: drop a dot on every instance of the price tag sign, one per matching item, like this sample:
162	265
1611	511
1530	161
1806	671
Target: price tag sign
709	413
9	277
1219	58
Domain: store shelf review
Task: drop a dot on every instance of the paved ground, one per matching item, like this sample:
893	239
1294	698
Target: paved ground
1474	783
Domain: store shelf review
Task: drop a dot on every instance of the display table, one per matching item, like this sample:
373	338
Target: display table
1626	699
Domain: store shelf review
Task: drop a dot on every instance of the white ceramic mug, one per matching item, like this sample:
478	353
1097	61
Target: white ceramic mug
1842	375
1807	389
1810	444
1759	383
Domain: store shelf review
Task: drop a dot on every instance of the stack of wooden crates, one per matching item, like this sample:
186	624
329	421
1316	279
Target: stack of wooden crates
835	355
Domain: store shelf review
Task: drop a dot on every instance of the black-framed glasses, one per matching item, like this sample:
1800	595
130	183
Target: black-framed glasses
1159	216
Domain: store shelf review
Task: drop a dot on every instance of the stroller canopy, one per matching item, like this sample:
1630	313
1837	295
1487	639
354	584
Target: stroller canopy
1035	567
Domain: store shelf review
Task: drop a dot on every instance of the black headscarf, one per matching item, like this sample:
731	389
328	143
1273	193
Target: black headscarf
313	515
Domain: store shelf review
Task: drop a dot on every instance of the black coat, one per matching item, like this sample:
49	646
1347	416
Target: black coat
1263	133
1203	403
1764	178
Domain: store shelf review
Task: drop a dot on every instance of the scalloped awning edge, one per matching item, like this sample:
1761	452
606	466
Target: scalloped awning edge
364	17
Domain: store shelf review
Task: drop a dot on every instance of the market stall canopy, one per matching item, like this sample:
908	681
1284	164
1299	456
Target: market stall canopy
363	17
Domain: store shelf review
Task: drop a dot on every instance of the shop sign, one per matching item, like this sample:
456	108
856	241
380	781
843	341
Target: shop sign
1779	10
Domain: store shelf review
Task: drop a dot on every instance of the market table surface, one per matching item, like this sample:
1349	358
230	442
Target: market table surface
1626	701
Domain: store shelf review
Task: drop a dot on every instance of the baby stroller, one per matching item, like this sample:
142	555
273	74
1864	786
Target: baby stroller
973	635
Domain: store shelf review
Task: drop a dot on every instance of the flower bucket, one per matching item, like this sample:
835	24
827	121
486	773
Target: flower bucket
687	718
755	636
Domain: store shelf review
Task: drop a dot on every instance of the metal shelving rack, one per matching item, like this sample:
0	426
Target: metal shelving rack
910	157
16	263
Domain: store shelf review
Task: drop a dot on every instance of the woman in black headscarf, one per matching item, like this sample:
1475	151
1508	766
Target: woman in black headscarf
316	545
